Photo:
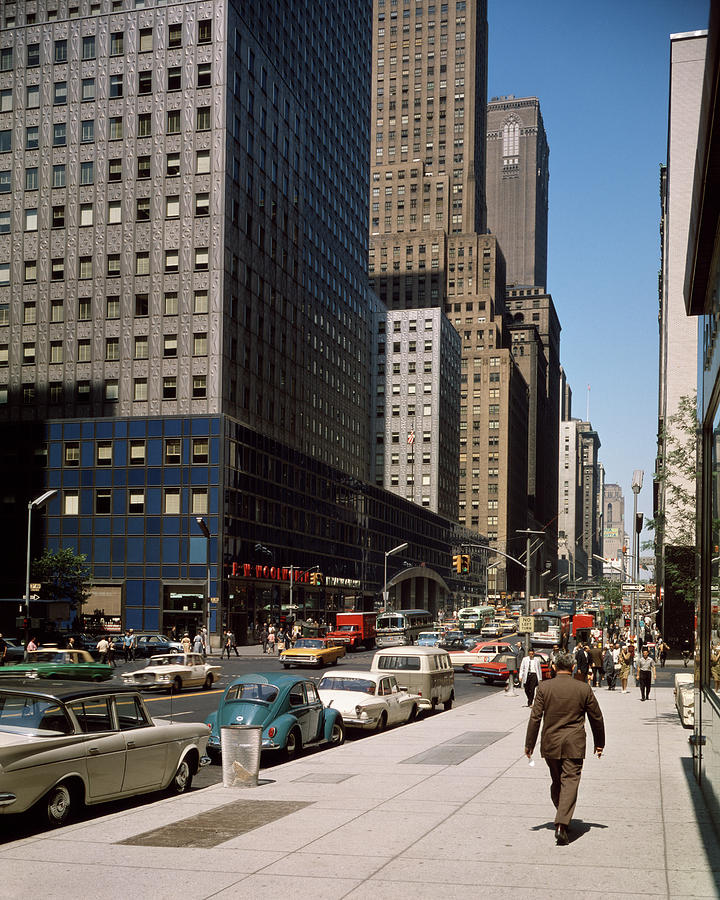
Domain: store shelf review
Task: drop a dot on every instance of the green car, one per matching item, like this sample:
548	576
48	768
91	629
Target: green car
77	665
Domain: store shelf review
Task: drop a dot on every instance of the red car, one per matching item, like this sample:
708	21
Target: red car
496	670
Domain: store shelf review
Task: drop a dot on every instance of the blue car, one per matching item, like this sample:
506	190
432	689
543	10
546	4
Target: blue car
287	707
429	638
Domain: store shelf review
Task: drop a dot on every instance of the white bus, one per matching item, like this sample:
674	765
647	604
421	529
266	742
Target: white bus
401	627
472	619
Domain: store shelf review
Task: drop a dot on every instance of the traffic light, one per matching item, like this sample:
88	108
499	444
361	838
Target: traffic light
465	563
638	522
318	578
457	562
313	578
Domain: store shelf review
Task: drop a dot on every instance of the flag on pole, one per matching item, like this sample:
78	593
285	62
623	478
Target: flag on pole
411	437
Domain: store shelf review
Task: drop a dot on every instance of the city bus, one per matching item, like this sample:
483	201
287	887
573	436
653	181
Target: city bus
471	619
401	627
553	628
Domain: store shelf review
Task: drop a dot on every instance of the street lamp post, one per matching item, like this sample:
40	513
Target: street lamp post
398	549
33	504
637	483
202	525
528	532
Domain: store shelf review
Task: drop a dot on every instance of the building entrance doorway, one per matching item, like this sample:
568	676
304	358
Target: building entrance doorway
183	612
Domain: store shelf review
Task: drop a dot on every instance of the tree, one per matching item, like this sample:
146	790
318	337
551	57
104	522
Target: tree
64	576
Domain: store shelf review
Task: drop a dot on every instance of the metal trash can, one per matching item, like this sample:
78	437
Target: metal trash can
241	745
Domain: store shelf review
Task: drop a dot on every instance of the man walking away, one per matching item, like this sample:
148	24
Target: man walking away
609	668
596	658
530	675
582	663
646	673
561	704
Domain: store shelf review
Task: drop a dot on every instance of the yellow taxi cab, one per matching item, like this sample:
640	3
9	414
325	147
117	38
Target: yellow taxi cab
313	652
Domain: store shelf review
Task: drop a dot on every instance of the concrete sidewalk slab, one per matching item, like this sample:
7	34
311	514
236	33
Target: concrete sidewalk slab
432	808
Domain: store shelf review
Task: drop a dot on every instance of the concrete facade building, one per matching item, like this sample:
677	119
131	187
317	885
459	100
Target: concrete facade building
613	528
572	555
517	179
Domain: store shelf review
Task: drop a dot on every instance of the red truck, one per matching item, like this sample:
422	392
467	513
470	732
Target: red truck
355	629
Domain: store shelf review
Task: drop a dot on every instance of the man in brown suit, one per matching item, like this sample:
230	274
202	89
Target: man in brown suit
561	704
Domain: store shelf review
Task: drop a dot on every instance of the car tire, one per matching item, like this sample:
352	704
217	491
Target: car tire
60	803
433	704
487	680
335	661
413	713
337	735
293	744
286	665
177	685
97	678
208	681
182	779
448	703
382	722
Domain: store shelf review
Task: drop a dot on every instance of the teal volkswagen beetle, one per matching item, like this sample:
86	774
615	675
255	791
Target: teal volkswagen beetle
287	707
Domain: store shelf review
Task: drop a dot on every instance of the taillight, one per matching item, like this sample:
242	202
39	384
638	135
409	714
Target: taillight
272	731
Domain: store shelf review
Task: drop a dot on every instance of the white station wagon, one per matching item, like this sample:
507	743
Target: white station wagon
368	700
173	672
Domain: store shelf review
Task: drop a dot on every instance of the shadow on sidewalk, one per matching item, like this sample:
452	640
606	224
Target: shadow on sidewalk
709	833
577	828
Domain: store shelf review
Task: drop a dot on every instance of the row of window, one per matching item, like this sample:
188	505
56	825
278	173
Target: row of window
104	505
410	411
115	130
112	349
412	347
112	307
86	265
88	45
57	392
172	455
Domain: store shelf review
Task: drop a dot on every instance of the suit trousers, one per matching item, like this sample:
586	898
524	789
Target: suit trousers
531	682
565	774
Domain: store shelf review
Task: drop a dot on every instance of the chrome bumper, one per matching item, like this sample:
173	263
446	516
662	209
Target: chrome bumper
7	799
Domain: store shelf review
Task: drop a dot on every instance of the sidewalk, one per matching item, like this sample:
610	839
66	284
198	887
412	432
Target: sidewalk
445	807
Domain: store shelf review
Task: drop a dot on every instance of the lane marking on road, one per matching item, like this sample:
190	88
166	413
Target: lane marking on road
182	696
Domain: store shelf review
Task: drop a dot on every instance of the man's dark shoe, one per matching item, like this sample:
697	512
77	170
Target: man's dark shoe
561	835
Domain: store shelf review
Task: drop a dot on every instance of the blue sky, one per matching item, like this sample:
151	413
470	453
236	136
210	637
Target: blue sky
601	74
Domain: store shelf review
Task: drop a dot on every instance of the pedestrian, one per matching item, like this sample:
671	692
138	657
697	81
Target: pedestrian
280	640
609	668
186	643
233	643
31	645
662	653
102	649
70	644
264	634
197	646
596	660
205	637
582	663
553	659
561	704
110	653
626	659
646	673
271	639
128	645
226	646
530	675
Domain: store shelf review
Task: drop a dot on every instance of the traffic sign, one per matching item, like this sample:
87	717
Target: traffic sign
525	625
34	596
35	587
632	588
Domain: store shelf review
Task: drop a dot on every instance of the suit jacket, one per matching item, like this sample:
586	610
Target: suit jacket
561	704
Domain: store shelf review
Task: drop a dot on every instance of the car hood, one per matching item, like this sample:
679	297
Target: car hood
238	712
348	699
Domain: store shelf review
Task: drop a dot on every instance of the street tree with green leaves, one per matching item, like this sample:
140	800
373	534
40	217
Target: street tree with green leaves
64	576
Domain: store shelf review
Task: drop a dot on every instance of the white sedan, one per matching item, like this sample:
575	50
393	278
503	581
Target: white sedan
368	700
173	671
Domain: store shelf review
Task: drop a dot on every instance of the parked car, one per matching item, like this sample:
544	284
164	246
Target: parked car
313	652
77	665
496	669
152	644
15	651
368	700
286	707
63	745
426	671
82	641
173	672
481	652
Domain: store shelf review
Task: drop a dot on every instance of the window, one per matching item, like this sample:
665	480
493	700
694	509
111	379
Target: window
141	347
60	52
71	505
88	47
103	501
4	273
87	172
172	451
173	121
172	164
116	86
140	389
112	307
175	35
144	125
143	167
169	389
200	451
4	351
87	89
84	313
174	79
142	305
170	345
59	134
113	265
171	505
146	39
85	268
201	259
87	131
114	212
116	128
142	209
199	386
30	275
171	303
29	308
203	118
57	268
104	453
142	263
5	221
145	82
202	204
172	207
172	260
28	354
112	390
31	179
200	345
5	141
202	162
6	100
32	138
137	453
200	302
32	100
56	351
114	170
33	56
204	31
136	501
60	93
199	501
204	75
117	41
86	214
31	220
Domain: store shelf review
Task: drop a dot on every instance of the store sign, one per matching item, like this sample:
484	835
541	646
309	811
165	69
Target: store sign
343	582
271	573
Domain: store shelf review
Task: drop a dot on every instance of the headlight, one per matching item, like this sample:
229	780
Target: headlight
361	712
163	678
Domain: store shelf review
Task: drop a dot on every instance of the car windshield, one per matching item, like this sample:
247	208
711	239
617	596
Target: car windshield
176	659
361	685
310	643
348	628
26	713
264	693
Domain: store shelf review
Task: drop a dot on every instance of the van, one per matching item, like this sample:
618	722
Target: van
426	671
